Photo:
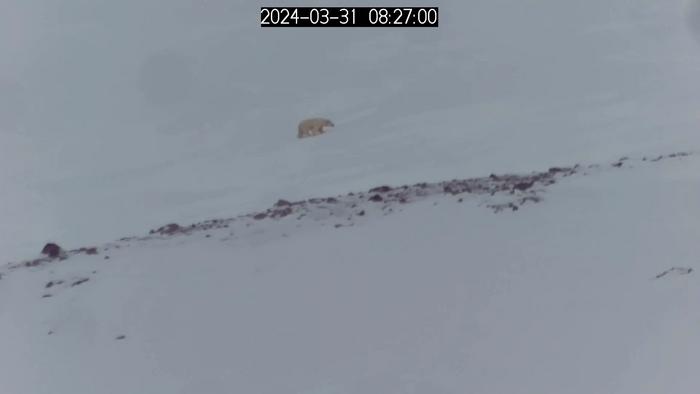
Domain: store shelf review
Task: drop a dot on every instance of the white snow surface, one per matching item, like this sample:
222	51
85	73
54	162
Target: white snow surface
439	296
121	116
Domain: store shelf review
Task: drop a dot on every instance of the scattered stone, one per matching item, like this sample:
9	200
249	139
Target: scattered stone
675	270
450	189
46	296
500	207
381	189
505	185
168	229
89	251
283	203
52	250
120	337
79	282
522	186
280	213
33	263
534	199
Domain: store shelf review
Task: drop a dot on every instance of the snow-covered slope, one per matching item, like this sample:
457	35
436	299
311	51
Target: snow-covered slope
592	289
119	115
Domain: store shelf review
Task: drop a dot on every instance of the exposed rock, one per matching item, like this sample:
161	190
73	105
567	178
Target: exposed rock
168	229
34	263
79	282
381	189
523	185
282	203
52	250
512	190
89	251
675	270
281	212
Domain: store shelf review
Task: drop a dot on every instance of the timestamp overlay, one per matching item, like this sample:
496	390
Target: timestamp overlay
349	16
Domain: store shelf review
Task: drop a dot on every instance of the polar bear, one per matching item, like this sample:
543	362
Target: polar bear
313	127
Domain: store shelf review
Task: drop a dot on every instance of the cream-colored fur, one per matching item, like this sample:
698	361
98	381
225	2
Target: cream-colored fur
313	127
